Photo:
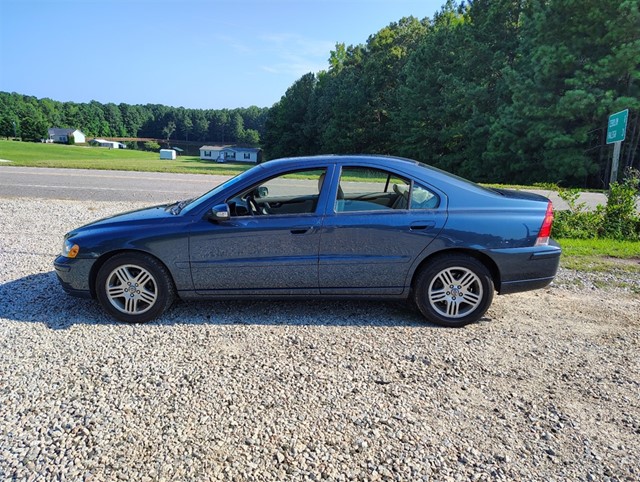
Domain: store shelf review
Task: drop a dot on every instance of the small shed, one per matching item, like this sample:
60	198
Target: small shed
109	144
167	154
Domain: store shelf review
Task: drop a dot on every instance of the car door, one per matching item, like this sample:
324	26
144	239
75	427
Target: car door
270	243
380	223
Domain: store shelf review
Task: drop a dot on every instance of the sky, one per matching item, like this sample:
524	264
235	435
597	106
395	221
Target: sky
200	54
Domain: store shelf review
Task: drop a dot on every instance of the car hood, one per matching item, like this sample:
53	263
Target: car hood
151	215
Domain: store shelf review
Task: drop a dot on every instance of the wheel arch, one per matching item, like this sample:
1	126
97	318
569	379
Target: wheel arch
93	274
481	257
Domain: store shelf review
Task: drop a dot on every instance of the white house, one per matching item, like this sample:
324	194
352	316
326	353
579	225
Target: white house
211	153
61	135
230	154
109	144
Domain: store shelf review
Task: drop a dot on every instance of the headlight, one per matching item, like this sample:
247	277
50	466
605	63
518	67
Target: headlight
69	249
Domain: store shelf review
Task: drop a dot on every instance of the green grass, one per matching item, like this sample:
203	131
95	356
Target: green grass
601	255
32	154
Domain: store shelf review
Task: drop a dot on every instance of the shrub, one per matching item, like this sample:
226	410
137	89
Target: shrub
152	146
621	219
71	140
578	225
577	222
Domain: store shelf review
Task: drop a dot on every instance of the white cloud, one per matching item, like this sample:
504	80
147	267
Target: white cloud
281	54
294	55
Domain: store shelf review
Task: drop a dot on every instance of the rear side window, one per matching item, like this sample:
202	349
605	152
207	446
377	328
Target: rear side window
366	189
423	198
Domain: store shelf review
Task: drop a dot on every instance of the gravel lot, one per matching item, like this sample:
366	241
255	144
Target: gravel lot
546	387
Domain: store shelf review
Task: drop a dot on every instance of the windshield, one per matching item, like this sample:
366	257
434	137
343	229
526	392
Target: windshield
195	202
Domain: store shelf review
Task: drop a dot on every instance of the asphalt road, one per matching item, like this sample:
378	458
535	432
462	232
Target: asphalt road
155	187
83	185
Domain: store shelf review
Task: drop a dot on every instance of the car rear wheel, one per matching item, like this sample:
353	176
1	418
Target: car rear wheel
453	290
134	288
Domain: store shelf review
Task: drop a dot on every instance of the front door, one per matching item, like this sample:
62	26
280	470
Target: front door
269	245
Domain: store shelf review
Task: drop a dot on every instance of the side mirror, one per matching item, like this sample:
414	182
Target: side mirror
219	213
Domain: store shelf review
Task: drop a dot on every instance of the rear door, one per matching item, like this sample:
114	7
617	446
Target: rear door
379	224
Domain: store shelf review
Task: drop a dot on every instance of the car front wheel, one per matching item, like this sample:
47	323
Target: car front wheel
134	288
453	290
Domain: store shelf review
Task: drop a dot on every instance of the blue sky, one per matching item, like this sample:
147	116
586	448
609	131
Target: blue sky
193	53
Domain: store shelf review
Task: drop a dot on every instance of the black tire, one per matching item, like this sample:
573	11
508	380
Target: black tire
134	287
453	290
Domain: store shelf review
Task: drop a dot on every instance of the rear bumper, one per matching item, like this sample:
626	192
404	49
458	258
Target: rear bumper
523	285
74	275
525	269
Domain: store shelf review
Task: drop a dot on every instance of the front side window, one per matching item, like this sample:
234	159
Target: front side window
290	193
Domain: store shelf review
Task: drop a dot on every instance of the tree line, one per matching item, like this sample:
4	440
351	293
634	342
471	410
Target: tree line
493	90
29	118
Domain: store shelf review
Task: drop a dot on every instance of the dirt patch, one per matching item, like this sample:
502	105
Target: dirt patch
623	262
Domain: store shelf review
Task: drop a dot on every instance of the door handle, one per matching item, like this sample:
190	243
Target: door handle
301	229
422	225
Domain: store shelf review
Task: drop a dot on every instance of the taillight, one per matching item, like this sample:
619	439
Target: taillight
545	229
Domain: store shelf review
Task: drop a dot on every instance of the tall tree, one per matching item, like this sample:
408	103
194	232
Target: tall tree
568	76
386	54
113	117
33	125
200	126
429	123
286	134
168	130
133	118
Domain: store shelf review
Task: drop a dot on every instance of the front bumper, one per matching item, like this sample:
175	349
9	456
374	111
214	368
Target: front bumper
74	275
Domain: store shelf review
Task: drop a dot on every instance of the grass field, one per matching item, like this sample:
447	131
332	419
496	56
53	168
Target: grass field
601	255
32	154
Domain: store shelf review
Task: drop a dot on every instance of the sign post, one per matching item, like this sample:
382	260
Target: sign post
616	132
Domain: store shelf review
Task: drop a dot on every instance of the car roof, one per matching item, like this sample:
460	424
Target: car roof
356	159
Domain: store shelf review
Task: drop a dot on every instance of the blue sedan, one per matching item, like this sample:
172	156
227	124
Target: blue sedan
324	226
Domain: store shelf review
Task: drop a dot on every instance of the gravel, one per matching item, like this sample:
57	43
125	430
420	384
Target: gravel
546	387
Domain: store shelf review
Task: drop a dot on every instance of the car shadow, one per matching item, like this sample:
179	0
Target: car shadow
38	298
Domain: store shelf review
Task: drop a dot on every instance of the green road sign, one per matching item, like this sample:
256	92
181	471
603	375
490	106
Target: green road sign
617	126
